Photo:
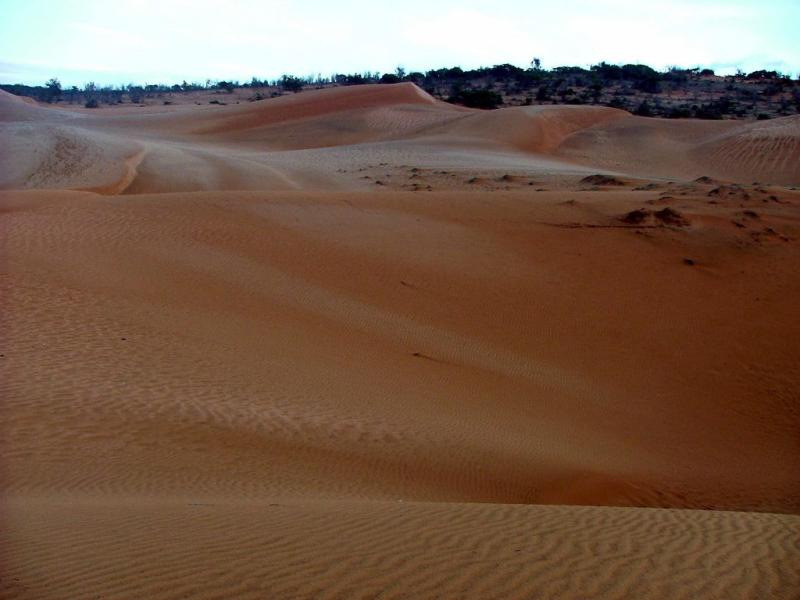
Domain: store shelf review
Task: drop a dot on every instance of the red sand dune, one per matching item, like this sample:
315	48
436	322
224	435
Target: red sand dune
357	342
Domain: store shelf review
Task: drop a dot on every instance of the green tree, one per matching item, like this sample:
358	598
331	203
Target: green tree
53	89
291	83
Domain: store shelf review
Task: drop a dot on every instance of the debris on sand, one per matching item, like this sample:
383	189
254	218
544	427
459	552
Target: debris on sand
688	261
599	179
670	216
728	191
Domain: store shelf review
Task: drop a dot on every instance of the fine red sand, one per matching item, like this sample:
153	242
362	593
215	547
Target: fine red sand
357	343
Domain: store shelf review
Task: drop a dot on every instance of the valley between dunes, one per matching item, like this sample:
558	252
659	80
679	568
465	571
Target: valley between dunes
359	343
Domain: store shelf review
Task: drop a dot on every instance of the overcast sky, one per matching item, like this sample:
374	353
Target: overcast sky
120	41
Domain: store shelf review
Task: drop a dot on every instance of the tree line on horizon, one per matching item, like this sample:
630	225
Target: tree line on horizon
634	87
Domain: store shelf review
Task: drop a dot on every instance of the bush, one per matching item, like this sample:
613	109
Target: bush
390	78
543	94
618	102
679	112
644	110
715	109
291	83
763	74
486	99
92	103
353	79
648	86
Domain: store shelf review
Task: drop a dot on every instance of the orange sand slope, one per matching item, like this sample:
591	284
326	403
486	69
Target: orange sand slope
372	344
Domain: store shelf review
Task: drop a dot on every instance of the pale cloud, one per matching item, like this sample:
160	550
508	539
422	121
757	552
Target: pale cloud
472	34
199	39
111	36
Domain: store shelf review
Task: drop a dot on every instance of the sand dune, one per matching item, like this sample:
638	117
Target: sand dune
359	343
685	149
315	104
770	151
253	147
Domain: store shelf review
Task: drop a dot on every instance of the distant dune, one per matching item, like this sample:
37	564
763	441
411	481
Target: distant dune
359	343
249	147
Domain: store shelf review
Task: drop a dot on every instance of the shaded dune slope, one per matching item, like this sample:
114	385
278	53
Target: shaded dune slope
769	151
686	149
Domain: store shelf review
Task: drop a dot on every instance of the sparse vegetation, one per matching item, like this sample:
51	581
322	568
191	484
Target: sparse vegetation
675	93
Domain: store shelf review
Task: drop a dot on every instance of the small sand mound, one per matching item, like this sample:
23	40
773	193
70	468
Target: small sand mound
599	179
670	216
635	216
